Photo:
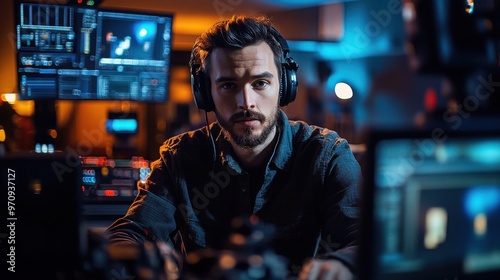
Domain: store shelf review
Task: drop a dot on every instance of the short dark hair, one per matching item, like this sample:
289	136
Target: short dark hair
236	33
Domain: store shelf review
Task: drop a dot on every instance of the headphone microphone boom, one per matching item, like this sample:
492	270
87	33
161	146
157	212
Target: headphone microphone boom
201	86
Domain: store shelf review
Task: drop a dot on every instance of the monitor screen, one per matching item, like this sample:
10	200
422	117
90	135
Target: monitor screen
432	206
79	53
122	123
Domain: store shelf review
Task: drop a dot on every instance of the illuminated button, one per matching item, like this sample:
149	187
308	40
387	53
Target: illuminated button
107	193
88	180
104	171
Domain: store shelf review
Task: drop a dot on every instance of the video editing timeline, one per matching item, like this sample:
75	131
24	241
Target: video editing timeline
437	206
77	53
112	180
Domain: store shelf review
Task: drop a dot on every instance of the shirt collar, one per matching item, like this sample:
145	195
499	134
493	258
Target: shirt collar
283	150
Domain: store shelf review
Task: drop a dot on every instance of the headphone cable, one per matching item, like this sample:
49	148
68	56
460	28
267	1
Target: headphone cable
210	135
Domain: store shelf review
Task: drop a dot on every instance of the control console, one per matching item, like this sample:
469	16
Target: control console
104	180
109	186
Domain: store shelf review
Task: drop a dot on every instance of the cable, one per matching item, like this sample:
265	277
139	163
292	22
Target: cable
209	133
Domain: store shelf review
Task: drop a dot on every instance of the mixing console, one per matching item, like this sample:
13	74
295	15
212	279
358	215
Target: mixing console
112	180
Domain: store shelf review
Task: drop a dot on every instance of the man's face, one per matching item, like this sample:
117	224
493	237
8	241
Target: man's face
245	90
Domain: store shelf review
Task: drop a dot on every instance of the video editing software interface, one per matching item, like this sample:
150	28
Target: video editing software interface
436	207
78	53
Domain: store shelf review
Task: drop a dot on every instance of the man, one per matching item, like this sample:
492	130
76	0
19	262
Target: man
253	162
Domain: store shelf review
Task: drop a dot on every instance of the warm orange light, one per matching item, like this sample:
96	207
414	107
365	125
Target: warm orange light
36	187
2	134
237	239
9	97
181	92
53	133
227	261
104	171
188	27
24	107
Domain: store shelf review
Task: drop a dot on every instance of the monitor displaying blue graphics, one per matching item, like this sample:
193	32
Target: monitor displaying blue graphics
122	123
86	53
432	206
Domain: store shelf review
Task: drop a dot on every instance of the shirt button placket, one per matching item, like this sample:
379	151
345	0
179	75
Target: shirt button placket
246	207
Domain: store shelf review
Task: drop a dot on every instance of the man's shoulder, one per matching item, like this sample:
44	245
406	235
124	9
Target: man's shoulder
186	141
320	143
302	131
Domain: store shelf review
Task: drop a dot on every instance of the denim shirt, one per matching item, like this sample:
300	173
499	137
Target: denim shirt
309	194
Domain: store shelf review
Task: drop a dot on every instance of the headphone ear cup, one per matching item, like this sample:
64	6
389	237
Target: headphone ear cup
289	82
283	87
200	86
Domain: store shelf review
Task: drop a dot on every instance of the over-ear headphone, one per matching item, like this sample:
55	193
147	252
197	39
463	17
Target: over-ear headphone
201	86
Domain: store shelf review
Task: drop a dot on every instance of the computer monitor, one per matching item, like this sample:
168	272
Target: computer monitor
122	124
431	205
87	53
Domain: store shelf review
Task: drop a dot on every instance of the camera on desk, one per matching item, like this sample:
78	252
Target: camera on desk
246	254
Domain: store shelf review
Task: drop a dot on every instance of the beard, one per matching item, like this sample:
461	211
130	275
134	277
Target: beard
246	139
